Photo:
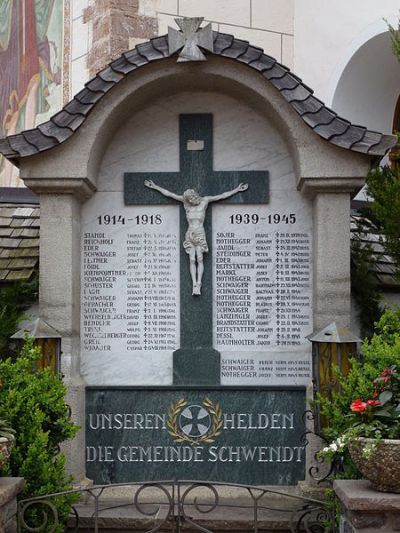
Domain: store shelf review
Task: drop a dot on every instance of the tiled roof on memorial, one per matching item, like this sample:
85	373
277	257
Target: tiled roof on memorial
19	238
325	122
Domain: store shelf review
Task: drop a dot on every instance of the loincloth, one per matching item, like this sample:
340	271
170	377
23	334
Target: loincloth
195	239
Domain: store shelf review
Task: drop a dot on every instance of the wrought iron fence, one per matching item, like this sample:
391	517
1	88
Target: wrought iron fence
174	506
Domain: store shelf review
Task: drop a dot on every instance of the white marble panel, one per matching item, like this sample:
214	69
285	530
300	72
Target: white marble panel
261	368
130	312
243	140
262	279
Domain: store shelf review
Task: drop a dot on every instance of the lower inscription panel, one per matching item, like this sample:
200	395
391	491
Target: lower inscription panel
239	436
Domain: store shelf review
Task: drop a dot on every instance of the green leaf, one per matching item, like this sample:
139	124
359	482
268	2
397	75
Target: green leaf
385	396
384	412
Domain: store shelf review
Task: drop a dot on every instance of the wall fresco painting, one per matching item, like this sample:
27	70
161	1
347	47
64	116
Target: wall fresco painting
31	40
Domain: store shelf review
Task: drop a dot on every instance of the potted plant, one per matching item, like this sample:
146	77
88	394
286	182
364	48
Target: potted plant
372	436
6	441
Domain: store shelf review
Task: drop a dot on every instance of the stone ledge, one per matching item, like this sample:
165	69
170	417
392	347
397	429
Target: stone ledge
314	186
9	488
358	495
81	188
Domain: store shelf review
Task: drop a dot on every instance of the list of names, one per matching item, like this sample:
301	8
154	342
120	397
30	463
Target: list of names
262	297
130	284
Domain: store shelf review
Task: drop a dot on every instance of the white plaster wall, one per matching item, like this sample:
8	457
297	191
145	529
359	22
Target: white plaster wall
391	299
265	23
80	44
327	34
242	140
368	88
268	24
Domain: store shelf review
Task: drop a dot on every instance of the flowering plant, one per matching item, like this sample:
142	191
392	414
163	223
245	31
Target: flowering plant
375	418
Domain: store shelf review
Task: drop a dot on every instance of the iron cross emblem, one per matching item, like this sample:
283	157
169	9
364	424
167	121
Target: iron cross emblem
195	421
190	38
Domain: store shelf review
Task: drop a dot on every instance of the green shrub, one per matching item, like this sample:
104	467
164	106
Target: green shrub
33	401
15	299
382	350
384	186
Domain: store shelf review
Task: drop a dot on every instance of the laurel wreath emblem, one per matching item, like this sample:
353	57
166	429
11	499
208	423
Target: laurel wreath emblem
216	426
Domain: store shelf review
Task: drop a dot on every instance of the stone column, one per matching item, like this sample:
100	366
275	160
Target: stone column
59	293
331	282
331	247
331	273
117	27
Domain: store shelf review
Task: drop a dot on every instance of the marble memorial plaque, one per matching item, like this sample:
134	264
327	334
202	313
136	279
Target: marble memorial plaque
262	278
130	294
238	436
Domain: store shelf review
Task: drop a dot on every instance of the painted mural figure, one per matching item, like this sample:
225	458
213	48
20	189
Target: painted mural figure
25	66
195	243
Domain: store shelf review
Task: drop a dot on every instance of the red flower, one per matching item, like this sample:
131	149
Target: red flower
373	402
387	373
358	406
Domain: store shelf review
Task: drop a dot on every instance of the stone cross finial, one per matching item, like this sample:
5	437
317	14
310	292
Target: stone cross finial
190	38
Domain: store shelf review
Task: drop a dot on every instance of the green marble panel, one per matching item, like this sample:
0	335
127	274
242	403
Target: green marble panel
238	436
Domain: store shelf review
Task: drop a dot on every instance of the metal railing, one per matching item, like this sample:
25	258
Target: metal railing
173	506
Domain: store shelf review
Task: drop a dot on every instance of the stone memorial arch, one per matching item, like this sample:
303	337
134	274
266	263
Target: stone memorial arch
115	276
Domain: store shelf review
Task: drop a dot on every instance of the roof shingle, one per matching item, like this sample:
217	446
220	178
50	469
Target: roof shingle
315	114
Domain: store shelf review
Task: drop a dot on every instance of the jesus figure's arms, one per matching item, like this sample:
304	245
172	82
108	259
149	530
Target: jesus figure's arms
240	188
151	185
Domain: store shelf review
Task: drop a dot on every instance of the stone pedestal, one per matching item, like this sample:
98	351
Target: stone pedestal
366	510
10	487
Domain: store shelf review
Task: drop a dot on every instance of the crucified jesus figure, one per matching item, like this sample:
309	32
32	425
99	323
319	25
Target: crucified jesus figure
195	243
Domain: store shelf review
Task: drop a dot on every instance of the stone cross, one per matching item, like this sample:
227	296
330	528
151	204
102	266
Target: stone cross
196	362
190	38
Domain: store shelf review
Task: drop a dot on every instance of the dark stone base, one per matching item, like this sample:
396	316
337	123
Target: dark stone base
197	366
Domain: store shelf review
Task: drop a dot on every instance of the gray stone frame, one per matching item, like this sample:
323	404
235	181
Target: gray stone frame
65	177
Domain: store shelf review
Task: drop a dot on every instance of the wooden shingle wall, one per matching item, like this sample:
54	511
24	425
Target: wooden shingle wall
384	267
19	241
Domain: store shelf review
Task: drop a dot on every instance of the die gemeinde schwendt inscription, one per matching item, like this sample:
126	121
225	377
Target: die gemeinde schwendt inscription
242	436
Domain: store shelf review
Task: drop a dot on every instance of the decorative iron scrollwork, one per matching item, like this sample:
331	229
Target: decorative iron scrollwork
173	504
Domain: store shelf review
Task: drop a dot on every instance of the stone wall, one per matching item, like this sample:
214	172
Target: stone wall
365	510
103	29
265	23
9	489
114	23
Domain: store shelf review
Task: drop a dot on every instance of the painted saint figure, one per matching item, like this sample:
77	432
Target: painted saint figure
195	243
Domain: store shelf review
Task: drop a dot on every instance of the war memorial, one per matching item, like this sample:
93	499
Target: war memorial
194	231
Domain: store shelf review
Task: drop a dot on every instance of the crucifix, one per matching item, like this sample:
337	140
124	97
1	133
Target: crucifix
196	362
195	243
